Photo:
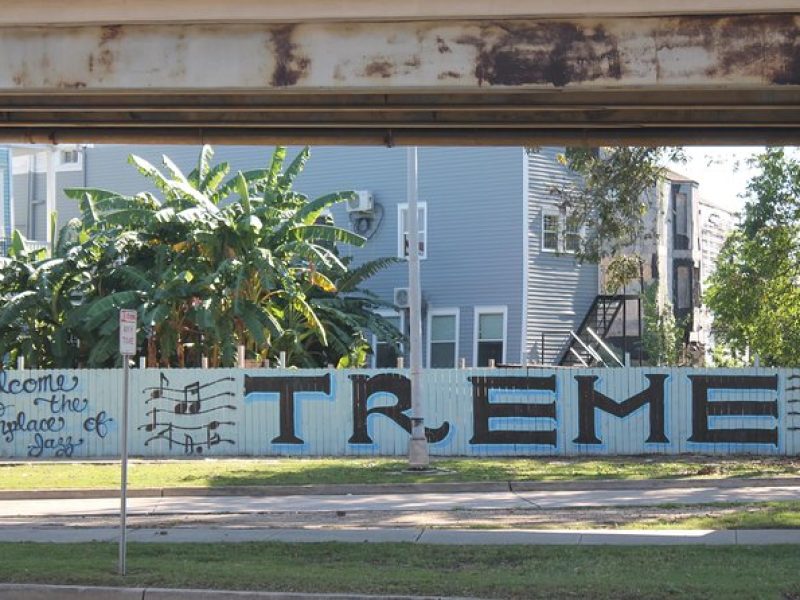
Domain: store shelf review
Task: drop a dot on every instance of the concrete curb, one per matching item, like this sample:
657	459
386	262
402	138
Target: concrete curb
403	488
11	591
408	535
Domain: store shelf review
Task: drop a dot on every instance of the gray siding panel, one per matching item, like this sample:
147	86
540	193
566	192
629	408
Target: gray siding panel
560	290
20	204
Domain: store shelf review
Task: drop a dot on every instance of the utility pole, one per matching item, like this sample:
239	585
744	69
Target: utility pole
418	457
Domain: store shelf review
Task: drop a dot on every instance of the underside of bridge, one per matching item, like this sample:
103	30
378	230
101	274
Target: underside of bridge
513	73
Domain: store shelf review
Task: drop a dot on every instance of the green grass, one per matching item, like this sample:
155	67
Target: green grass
757	515
294	471
517	572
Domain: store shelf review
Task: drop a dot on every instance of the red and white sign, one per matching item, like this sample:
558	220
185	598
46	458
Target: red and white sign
127	332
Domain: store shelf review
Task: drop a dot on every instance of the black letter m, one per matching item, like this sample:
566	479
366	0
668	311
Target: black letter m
589	400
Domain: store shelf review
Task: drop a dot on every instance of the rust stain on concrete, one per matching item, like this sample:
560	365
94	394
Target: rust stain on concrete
764	46
289	67
379	68
71	85
109	33
558	53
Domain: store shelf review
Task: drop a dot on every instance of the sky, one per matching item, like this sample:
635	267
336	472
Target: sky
721	171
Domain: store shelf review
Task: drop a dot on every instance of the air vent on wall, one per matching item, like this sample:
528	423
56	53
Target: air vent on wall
361	202
401	297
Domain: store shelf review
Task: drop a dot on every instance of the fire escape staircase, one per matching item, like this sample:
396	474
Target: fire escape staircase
590	345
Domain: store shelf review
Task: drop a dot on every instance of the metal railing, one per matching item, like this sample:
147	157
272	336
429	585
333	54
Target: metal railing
610	320
5	245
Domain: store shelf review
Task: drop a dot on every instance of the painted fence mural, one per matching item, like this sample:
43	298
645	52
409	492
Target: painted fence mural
63	414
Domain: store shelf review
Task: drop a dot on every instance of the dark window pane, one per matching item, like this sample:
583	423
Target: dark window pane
572	242
386	356
684	291
487	350
681	227
443	355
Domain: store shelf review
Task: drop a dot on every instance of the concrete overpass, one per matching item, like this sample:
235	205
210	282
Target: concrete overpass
413	72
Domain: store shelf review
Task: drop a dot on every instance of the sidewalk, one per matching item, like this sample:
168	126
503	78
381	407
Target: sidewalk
552	498
360	489
395	514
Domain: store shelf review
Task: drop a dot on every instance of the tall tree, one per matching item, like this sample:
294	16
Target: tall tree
755	290
617	188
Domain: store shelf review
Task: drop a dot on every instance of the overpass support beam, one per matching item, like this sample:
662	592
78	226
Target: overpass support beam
726	78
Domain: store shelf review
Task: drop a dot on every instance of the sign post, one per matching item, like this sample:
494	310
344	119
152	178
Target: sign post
127	348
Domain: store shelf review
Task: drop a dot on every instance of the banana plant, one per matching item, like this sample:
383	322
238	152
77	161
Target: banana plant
213	261
37	294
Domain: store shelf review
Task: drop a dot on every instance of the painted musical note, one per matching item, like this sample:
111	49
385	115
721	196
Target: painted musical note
192	400
192	397
151	426
159	391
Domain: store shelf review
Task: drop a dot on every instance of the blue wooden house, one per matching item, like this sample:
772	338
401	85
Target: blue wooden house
499	278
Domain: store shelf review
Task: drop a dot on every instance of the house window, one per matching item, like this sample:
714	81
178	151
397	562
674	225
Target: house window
69	160
385	354
572	237
70	157
681	216
559	235
490	335
402	229
442	338
683	286
550	227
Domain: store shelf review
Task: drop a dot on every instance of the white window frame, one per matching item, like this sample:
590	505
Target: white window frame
566	233
402	350
69	166
443	312
400	233
482	310
551	213
561	241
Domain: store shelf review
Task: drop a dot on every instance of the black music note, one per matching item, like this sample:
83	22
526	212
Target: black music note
154	424
191	394
162	382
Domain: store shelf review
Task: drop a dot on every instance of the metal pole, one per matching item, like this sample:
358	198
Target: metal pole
418	457
624	325
639	310
123	501
50	195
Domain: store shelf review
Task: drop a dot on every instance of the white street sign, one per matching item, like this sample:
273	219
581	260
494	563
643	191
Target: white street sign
127	332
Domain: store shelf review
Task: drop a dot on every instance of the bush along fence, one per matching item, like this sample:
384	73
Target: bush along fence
473	412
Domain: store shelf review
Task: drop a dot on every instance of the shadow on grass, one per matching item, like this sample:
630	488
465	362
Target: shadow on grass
292	471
